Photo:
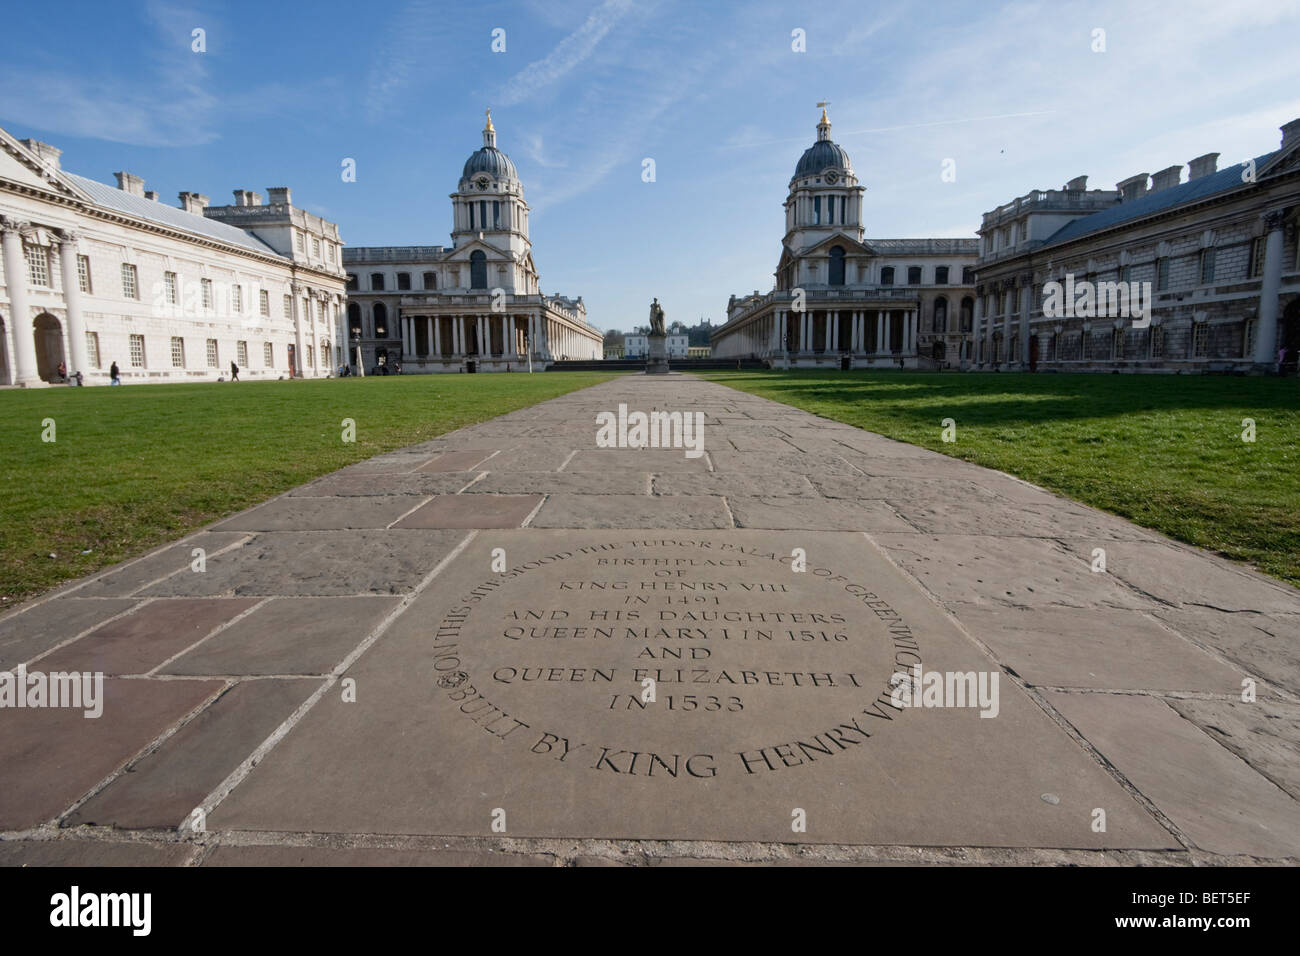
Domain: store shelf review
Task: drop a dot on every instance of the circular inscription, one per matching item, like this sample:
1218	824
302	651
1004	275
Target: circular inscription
675	658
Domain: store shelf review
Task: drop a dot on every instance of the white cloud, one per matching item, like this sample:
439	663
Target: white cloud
568	54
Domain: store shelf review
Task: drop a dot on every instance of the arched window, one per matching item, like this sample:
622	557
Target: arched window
941	315
381	320
354	320
887	275
431	280
837	266
967	314
478	269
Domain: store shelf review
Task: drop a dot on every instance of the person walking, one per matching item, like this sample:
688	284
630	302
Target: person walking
114	376
234	372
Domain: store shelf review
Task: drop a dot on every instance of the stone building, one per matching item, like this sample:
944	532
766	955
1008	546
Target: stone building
842	300
474	306
95	274
1218	254
636	344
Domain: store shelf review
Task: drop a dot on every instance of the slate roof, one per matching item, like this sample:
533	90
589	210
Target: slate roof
1122	212
110	197
821	155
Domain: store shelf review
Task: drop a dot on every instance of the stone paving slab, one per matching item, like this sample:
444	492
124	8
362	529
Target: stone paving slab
1120	689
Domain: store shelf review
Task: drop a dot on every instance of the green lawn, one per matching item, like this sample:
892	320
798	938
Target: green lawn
136	466
1163	451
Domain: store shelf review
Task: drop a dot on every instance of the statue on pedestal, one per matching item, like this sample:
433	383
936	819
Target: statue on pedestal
657	326
657	353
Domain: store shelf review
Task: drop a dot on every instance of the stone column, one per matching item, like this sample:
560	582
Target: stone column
507	346
833	331
1266	324
1006	325
1026	297
23	355
979	317
428	337
300	357
76	325
881	344
457	335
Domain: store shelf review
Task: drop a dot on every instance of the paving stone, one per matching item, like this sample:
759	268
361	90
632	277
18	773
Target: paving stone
35	629
631	511
1208	792
798	463
162	789
550	483
52	756
414	483
320	514
125	579
472	511
143	639
979	783
459	461
1018	572
303	563
287	636
914	490
1265	645
393	464
93	853
815	514
730	483
367	856
1013	519
635	459
548	458
1264	733
932	465
1179	575
1100	648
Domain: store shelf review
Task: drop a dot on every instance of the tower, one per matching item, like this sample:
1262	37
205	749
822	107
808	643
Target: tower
825	197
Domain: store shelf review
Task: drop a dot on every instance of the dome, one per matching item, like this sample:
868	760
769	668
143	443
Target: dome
492	161
820	156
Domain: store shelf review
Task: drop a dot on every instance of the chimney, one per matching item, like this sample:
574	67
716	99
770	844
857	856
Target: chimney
240	199
278	196
1166	178
1203	166
48	154
254	199
150	194
130	184
194	202
1077	184
1135	187
1290	135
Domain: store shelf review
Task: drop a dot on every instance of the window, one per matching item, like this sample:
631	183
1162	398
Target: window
837	266
1248	338
403	281
169	286
297	238
206	286
329	251
241	353
941	315
381	321
1162	274
482	213
913	275
128	281
268	355
941	275
92	349
352	282
1117	344
1085	341
478	269
288	307
377	281
83	274
431	280
264	302
1207	266
38	264
315	247
843	201
471	214
137	351
237	298
967	275
1157	341
496	214
1257	256
817	210
212	354
887	275
1200	339
311	358
178	352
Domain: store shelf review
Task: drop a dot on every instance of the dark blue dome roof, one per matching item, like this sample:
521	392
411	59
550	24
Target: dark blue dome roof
822	155
492	161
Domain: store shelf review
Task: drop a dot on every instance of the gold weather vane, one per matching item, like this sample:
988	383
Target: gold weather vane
488	113
823	104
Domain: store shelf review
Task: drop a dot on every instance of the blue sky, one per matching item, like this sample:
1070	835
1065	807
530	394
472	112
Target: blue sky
713	92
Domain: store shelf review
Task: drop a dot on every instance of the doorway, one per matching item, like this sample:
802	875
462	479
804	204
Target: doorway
49	346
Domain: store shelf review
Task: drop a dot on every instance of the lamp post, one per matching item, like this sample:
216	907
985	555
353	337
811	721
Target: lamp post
356	344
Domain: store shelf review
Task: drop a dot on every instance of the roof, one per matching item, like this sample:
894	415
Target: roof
490	160
1151	203
110	197
822	154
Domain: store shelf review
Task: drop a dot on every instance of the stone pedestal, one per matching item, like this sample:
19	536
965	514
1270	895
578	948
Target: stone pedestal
657	356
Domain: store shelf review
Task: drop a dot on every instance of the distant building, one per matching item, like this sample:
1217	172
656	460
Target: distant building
477	304
843	300
637	344
1218	252
95	274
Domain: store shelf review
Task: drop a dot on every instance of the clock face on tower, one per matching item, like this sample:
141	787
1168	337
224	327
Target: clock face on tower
832	178
481	182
